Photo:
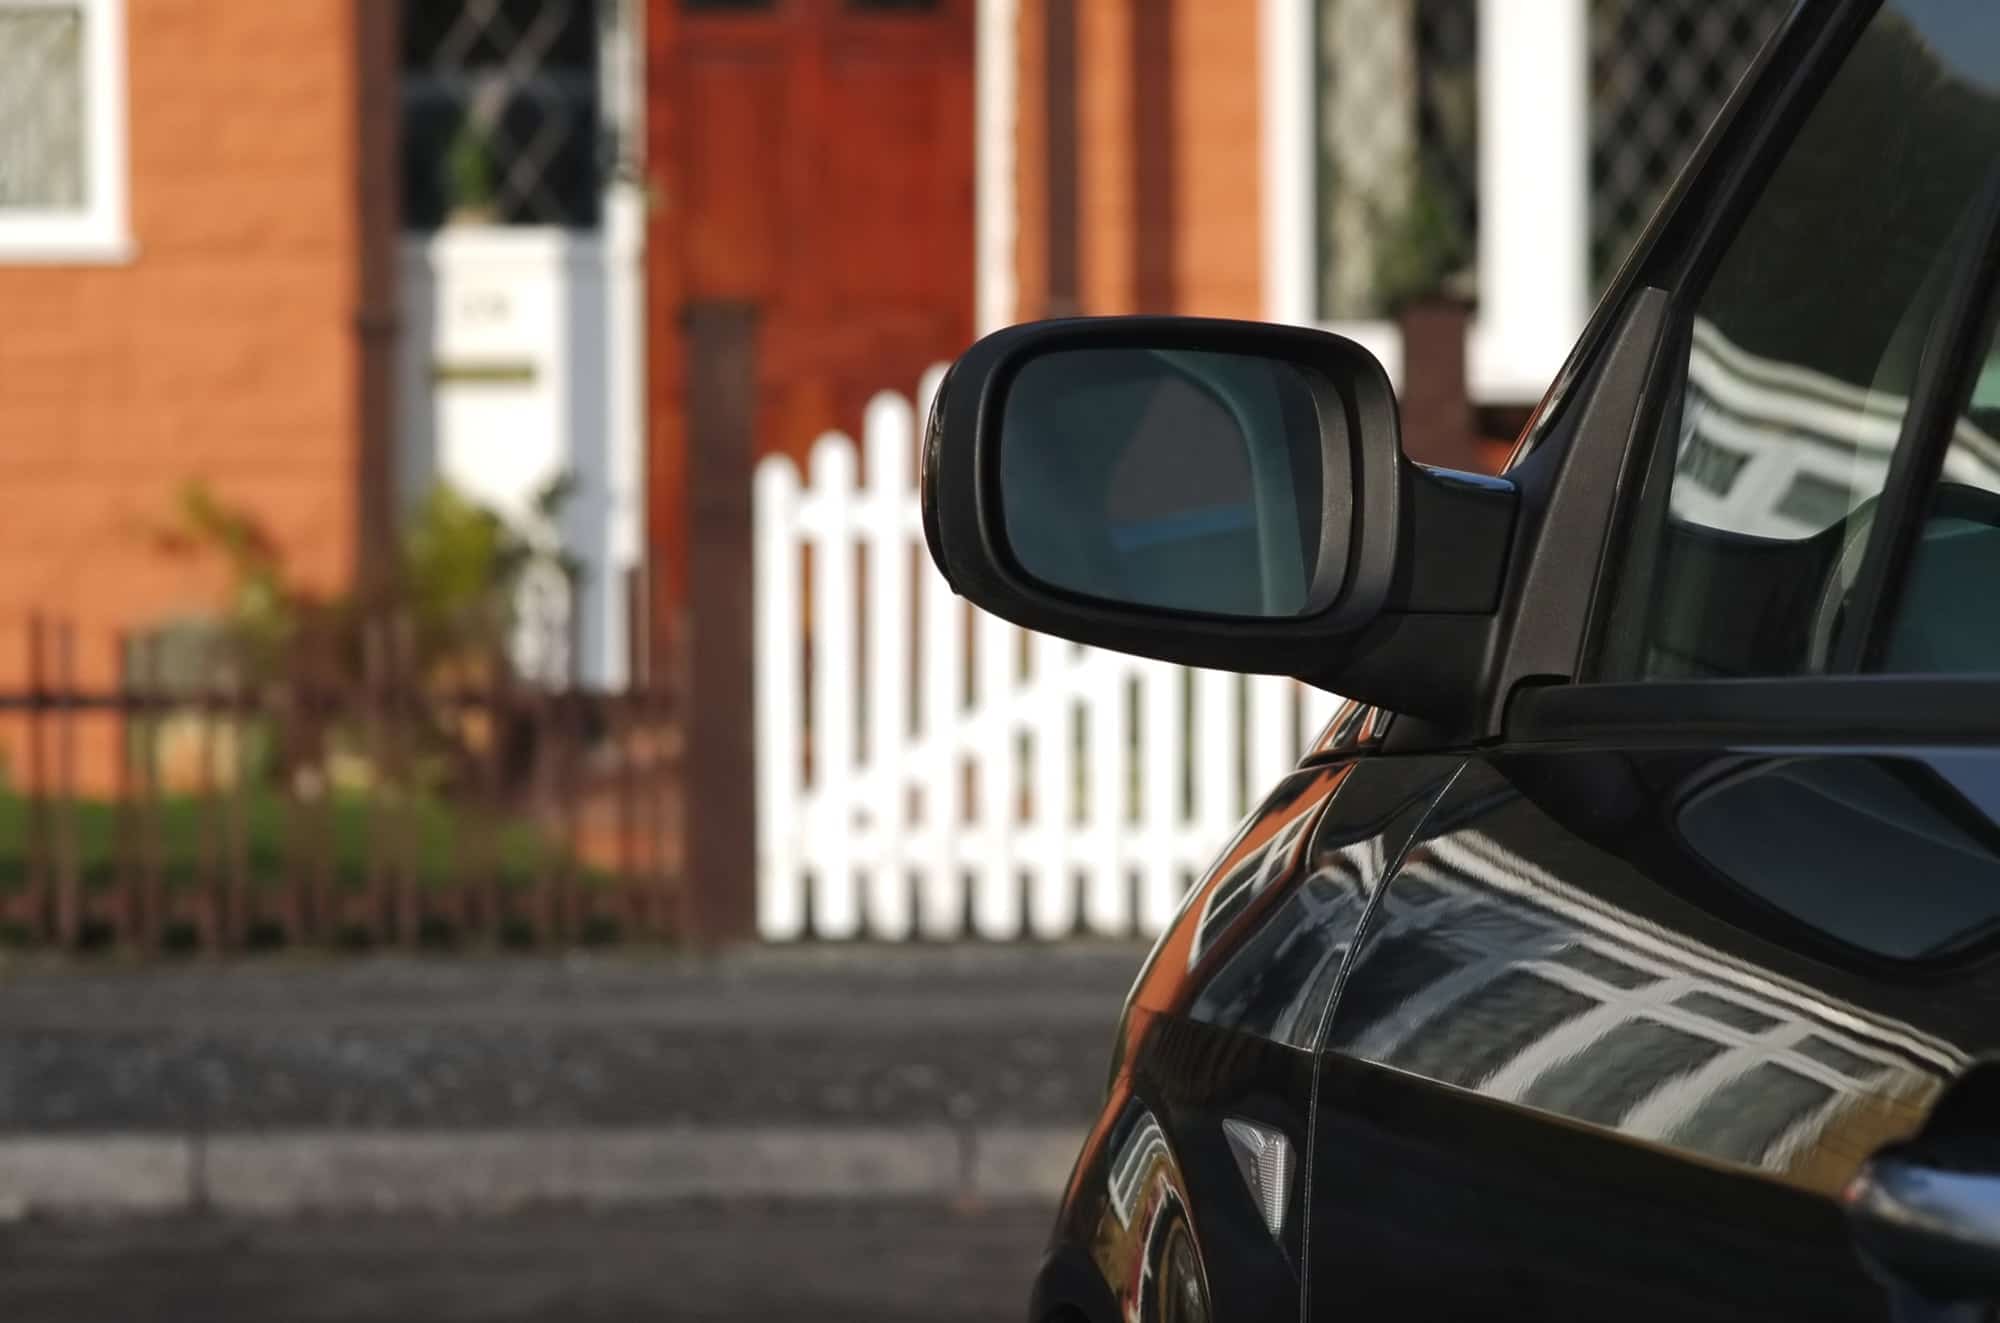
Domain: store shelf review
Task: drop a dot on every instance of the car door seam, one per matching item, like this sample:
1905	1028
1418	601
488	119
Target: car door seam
1361	928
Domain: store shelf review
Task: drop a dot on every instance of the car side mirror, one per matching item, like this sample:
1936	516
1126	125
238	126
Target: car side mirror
1217	493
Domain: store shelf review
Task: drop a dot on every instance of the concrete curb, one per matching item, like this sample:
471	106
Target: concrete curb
279	1173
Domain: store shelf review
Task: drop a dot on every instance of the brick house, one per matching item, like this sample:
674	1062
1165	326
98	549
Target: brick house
231	251
193	260
199	224
872	182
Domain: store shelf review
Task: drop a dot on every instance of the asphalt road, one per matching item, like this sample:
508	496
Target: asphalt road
854	1036
830	1264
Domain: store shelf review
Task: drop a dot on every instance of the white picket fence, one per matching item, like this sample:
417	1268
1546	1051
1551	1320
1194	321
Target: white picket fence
928	770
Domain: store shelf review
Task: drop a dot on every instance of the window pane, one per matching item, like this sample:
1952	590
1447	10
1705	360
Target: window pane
1805	346
41	108
1894	856
1397	122
1956	561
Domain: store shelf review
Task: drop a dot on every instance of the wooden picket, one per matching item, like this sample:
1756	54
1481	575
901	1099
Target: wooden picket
929	771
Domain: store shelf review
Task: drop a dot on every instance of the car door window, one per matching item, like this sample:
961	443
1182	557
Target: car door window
1801	359
1897	857
1941	622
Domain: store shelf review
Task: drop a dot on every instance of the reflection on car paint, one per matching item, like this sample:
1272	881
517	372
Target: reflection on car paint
1354	728
1145	1195
1236	894
1489	973
1168	980
1279	959
1232	892
1134	1165
1279	979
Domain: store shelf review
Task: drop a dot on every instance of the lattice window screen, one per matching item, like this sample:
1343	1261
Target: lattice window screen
502	119
1659	72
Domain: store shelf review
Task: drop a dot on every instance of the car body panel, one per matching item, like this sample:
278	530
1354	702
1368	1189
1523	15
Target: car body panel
1221	1024
1594	1077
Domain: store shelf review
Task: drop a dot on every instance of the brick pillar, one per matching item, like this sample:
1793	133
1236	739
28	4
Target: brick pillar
378	207
1438	426
719	783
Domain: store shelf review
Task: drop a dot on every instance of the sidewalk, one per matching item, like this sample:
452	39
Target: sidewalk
486	1083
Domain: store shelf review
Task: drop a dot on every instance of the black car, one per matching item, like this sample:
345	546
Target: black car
1626	947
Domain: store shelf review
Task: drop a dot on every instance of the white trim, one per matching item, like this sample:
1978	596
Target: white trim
996	89
1285	54
1534	194
100	232
539	244
624	70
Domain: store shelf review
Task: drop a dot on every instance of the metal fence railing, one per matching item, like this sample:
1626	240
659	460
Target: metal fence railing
229	814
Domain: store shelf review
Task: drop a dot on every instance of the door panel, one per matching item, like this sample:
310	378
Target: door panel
1584	1068
812	159
822	154
731	212
895	154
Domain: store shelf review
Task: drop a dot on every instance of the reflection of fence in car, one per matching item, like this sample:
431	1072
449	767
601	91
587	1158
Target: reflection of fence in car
1775	450
1537	993
1132	1166
927	769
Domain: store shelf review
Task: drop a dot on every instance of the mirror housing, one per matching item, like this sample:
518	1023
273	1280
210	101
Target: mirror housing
1407	622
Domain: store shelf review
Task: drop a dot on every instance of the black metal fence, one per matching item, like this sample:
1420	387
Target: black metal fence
152	812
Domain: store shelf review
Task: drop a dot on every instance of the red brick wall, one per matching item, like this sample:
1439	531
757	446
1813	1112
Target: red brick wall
1107	233
1218	232
1209	180
224	350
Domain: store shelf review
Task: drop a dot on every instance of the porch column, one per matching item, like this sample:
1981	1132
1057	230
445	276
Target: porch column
996	90
1534	192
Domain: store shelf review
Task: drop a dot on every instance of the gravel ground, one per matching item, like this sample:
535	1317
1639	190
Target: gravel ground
830	1263
813	1036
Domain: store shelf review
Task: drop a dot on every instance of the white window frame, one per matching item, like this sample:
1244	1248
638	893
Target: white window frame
1534	162
99	232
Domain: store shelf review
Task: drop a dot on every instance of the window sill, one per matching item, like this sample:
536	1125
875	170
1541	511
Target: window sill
41	246
1805	711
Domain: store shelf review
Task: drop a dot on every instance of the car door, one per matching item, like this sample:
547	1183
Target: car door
1702	934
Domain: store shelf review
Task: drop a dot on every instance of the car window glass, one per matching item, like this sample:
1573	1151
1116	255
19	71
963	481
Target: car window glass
1956	559
1804	346
1899	857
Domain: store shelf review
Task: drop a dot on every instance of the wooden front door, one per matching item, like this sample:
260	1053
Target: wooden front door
812	159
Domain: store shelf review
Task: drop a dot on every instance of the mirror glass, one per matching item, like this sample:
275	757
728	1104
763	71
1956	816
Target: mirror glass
1177	479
